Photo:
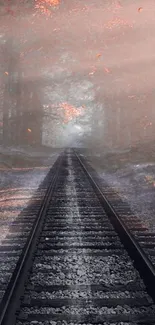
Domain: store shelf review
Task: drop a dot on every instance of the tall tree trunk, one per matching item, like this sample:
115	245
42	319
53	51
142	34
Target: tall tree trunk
7	82
10	94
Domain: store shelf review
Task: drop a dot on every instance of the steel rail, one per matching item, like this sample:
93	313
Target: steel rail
136	252
11	299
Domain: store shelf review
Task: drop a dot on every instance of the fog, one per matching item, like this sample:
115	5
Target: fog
77	73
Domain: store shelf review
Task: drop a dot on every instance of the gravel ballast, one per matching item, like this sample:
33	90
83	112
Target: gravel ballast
82	276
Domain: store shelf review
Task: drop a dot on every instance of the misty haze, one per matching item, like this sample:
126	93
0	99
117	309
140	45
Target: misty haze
77	75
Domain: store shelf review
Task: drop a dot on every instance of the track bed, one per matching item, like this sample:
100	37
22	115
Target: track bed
78	270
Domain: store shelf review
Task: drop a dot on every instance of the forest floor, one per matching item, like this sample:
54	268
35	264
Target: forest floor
26	156
21	172
132	175
113	160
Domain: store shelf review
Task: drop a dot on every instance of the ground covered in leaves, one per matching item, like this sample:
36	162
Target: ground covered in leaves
22	171
132	174
26	156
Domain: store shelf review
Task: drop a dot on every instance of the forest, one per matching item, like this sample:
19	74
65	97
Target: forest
66	81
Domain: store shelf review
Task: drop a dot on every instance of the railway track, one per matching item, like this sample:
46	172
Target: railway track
73	258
